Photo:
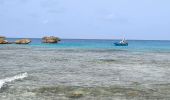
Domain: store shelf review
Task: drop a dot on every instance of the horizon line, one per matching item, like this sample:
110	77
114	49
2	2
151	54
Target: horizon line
92	38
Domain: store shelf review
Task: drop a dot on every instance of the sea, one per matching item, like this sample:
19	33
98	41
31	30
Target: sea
85	69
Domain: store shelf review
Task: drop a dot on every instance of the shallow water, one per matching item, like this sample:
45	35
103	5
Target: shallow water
85	74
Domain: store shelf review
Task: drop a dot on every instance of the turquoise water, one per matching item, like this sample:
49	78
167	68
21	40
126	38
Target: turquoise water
134	45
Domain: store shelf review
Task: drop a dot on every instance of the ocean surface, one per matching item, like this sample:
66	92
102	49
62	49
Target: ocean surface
85	69
134	45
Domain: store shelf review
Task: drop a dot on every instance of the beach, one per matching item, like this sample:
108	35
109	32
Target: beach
85	70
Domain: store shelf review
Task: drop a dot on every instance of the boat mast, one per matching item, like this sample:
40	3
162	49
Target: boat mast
123	39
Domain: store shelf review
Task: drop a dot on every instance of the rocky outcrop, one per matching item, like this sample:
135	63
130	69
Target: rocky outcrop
2	37
23	41
3	40
50	39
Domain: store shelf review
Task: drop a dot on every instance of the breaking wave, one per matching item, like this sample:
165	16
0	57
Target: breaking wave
11	79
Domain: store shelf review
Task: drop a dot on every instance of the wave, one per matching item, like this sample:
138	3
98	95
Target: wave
11	79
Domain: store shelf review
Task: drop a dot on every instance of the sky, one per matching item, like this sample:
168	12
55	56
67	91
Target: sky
86	19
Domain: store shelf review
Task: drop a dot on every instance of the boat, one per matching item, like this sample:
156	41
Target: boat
123	42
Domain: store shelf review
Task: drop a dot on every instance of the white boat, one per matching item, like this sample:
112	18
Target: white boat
123	42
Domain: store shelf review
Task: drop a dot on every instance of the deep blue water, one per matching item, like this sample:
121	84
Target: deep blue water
134	45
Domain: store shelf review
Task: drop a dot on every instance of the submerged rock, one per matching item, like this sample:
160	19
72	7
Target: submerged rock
50	39
133	93
73	92
76	94
23	41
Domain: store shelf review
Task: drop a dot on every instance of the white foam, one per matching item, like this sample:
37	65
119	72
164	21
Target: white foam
11	79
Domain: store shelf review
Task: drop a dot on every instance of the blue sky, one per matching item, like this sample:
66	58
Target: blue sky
108	19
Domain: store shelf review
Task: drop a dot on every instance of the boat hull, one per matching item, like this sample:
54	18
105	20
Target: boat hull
121	44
